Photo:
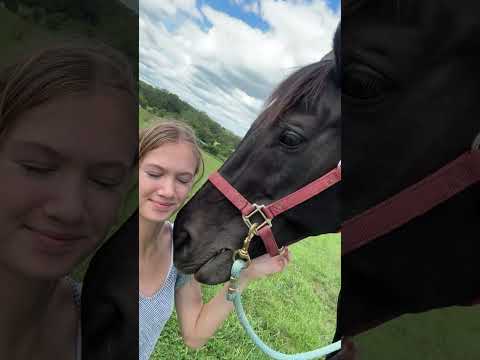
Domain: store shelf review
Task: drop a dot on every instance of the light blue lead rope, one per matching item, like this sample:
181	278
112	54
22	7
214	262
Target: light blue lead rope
235	296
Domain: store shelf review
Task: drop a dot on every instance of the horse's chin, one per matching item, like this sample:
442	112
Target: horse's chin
216	270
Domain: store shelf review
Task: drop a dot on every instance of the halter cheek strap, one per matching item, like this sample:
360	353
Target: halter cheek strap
264	230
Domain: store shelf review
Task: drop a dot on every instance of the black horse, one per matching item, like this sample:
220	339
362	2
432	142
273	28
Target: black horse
110	298
410	90
295	140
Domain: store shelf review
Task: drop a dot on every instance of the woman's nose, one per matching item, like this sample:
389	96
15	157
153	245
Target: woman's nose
167	187
68	203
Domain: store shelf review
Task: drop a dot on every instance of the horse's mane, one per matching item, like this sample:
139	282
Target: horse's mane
302	88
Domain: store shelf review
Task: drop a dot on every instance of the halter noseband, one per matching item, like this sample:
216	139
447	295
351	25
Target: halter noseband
268	212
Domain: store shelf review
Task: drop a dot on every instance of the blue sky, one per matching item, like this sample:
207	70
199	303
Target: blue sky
235	9
225	57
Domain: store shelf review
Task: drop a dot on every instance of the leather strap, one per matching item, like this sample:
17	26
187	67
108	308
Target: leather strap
286	203
231	193
412	202
305	193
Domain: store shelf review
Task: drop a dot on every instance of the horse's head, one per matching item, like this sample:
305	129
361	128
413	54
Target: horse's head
409	94
294	141
410	106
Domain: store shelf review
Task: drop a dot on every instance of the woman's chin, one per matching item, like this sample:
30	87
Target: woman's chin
156	216
45	271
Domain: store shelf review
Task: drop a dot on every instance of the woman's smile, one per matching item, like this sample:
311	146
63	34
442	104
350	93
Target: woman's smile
53	242
162	205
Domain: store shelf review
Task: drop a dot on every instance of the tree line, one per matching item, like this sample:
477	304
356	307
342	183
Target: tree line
92	18
213	137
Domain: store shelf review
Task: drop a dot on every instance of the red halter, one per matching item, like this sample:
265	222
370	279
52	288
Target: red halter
268	212
412	202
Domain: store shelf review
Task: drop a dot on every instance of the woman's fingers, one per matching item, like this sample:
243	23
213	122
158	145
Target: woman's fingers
283	259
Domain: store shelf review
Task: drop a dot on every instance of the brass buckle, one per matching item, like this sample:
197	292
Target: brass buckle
258	209
243	252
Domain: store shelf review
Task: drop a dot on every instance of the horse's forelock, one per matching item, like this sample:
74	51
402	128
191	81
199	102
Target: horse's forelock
337	50
303	88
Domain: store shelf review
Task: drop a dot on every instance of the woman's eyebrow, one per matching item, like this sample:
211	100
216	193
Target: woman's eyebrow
55	154
110	165
36	147
158	167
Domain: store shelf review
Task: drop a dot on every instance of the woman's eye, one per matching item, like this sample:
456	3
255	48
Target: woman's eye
363	83
37	168
184	180
153	175
291	138
107	183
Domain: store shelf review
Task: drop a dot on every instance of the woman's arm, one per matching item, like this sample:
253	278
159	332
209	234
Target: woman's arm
199	321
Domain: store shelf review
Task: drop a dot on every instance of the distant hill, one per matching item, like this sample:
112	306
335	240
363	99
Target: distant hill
31	21
214	138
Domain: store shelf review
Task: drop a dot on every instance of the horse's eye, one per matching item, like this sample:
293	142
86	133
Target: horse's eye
363	83
291	138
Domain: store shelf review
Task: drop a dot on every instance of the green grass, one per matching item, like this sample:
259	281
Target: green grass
441	334
18	35
144	117
293	311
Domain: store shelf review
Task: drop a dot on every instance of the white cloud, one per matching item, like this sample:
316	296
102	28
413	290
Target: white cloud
170	7
253	7
229	70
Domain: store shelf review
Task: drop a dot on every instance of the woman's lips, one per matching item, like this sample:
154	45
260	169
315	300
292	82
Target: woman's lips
53	241
158	205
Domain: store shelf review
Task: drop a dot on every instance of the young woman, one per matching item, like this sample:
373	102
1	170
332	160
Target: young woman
63	178
169	163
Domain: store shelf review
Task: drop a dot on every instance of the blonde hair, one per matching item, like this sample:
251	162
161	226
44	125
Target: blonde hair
63	69
169	131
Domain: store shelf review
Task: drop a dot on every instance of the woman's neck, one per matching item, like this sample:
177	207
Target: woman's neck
150	237
25	307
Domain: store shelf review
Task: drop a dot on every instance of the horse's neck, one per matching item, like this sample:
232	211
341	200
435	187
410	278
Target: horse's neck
426	264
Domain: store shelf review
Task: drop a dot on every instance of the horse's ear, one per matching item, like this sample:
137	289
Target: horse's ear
337	49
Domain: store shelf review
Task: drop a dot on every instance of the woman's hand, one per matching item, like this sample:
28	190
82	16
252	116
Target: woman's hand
265	265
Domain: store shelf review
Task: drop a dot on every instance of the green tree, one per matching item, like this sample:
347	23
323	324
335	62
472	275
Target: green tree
11	5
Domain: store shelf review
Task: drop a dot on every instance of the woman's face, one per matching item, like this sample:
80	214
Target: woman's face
64	169
165	179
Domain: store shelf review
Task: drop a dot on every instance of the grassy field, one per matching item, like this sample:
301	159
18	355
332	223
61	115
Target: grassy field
17	36
144	117
294	311
441	334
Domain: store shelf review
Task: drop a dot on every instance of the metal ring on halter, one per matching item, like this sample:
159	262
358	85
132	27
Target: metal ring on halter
476	143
